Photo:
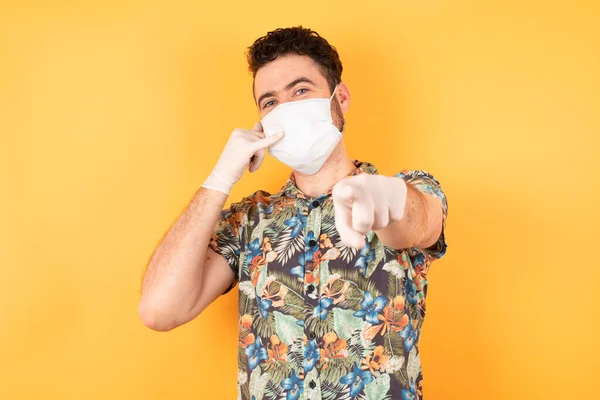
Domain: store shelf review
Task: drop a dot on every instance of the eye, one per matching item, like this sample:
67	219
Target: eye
302	91
268	104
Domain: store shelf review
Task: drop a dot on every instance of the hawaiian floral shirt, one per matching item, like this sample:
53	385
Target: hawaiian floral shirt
318	319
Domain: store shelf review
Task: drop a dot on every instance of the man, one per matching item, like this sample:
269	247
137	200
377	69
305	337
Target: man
332	269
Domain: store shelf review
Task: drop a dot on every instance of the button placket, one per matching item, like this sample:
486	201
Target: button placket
313	224
312	282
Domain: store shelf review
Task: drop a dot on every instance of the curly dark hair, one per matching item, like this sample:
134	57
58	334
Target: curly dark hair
296	40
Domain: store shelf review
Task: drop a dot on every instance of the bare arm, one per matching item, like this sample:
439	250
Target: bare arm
421	224
401	215
184	275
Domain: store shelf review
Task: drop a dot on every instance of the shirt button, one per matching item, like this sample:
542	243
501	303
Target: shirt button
312	384
316	203
312	242
312	335
310	288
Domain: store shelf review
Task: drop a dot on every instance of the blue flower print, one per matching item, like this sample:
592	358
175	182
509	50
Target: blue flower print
293	385
411	292
299	269
270	208
358	379
411	394
256	352
409	335
253	250
262	210
311	356
419	259
366	256
263	306
296	223
323	308
371	308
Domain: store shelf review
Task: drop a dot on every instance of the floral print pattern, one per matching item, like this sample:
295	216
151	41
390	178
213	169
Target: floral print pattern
318	319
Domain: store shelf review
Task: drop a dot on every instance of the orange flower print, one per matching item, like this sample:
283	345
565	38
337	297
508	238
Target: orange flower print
259	257
246	337
213	241
311	269
275	292
277	350
419	275
235	220
333	347
336	288
325	241
394	319
375	361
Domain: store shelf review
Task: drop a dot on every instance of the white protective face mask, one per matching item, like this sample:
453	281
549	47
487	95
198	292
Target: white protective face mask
310	135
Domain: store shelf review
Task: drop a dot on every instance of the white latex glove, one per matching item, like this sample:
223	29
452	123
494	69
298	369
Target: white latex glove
244	148
364	203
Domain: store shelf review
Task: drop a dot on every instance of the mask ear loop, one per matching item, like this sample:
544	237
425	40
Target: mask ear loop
333	94
334	90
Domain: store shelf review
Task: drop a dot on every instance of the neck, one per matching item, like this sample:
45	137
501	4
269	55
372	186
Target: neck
336	168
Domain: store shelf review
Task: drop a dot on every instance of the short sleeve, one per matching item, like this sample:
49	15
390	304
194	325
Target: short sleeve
226	238
426	183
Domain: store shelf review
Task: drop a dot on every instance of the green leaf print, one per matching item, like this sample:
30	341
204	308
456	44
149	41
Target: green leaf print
344	323
257	232
370	235
279	370
379	248
332	389
286	328
258	382
247	288
377	390
413	365
309	392
286	246
330	376
260	283
324	268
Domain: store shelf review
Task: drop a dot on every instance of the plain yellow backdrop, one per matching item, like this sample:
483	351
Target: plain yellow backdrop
112	113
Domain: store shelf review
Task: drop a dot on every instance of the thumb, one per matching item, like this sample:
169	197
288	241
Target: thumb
257	160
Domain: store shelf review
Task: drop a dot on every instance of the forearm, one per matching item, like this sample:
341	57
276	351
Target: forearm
421	222
172	281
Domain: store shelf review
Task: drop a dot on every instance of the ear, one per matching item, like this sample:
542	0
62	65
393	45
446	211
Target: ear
343	96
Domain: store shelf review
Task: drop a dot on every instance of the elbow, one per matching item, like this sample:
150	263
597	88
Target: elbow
155	318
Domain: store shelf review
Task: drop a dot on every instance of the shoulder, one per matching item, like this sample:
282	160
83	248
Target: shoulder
258	199
415	174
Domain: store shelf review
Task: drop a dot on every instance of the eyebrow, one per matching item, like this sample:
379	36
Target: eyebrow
290	85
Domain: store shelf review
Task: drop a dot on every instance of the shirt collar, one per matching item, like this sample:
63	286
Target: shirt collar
291	190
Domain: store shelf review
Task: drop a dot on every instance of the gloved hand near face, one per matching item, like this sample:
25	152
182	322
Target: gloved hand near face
245	148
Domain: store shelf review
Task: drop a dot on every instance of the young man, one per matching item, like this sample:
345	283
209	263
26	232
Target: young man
332	269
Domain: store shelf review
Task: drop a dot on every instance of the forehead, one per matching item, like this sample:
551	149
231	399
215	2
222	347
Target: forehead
279	72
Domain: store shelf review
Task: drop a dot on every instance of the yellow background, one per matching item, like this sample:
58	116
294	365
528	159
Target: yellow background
112	113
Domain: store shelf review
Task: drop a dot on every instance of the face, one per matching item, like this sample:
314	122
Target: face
293	77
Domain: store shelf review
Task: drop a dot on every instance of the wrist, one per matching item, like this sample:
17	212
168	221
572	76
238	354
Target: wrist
216	181
398	199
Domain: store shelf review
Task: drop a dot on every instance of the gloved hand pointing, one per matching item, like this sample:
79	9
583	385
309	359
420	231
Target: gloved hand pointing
367	202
